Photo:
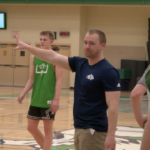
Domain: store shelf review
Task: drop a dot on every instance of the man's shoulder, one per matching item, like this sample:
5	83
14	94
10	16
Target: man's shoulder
108	68
78	59
106	65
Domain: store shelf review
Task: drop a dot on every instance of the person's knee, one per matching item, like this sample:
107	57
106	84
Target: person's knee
48	130
48	126
31	129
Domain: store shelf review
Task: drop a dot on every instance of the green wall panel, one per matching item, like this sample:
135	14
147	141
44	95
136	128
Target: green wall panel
113	1
124	2
147	2
56	1
12	1
125	73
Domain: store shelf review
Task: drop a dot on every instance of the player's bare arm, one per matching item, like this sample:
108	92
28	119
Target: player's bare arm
29	84
136	103
48	56
59	75
112	100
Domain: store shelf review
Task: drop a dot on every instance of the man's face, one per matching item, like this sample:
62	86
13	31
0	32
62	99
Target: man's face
92	46
45	42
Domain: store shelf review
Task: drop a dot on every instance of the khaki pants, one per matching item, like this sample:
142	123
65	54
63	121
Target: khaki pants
84	140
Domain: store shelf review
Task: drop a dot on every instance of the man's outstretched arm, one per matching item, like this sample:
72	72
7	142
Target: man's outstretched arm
48	56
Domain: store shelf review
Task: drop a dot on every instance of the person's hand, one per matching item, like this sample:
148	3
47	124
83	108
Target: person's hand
20	98
54	106
20	44
110	142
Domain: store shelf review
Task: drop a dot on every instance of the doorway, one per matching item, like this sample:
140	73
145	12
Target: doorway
14	65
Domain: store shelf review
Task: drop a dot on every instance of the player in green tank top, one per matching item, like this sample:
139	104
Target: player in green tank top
45	79
43	74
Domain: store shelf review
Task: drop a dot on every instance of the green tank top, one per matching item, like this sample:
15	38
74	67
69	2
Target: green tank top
44	84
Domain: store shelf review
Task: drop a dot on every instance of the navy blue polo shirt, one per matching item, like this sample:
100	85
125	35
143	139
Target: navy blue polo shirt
91	83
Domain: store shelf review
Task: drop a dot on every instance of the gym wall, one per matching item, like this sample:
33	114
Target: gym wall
124	25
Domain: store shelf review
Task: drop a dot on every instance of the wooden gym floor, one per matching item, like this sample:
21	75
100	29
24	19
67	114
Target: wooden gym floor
13	122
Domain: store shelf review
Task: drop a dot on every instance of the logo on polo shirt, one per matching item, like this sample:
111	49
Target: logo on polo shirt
118	85
90	77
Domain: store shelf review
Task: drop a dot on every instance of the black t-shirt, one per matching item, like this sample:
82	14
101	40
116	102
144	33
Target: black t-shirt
91	83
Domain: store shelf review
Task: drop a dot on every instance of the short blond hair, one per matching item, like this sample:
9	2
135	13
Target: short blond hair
50	34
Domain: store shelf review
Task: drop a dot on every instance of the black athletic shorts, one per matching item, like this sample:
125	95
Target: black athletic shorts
38	113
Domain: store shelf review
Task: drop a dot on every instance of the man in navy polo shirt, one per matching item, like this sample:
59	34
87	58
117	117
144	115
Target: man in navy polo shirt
97	90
